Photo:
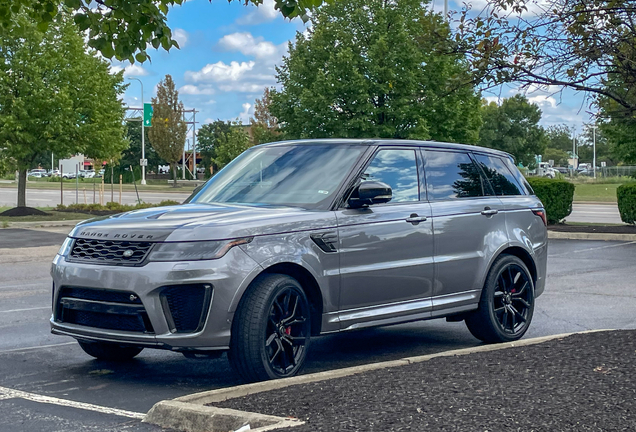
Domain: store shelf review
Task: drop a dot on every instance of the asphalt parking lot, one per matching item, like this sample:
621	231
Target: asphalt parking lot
590	286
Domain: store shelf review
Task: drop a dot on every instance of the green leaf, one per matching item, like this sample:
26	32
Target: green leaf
141	57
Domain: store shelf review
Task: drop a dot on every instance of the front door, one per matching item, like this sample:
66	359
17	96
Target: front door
386	250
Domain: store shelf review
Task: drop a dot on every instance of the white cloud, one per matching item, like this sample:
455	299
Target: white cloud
248	45
543	101
134	70
247	112
260	14
220	72
190	89
181	36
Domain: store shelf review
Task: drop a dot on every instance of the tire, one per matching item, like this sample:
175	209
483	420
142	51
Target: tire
507	302
271	329
110	351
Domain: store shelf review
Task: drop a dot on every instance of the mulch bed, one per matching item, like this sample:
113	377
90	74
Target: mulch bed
604	229
579	383
23	211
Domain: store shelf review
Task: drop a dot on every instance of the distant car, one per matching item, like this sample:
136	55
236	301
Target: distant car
69	175
87	174
37	173
562	170
54	173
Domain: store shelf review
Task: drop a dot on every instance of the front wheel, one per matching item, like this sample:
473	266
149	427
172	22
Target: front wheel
507	302
110	351
271	329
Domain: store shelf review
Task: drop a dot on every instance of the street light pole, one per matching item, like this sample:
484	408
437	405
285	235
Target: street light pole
143	135
594	141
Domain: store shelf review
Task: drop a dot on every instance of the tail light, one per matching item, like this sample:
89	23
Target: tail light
541	213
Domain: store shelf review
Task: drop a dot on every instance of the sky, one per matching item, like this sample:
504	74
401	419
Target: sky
228	53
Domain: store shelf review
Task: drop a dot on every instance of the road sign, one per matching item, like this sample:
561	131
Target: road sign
143	162
148	114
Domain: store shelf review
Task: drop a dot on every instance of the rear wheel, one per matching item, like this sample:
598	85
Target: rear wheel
110	351
271	329
507	302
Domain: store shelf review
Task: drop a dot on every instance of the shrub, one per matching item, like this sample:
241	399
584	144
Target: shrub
626	196
112	207
556	196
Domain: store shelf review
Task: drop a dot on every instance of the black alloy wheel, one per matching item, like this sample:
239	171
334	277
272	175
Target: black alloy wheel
512	299
287	331
507	302
271	329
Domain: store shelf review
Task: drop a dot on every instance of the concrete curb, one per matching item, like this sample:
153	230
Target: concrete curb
590	236
191	413
190	417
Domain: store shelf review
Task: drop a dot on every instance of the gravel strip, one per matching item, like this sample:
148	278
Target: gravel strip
580	383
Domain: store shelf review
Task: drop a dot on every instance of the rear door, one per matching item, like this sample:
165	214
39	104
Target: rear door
468	226
386	250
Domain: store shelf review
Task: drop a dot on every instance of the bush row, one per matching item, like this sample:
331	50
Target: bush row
112	207
556	196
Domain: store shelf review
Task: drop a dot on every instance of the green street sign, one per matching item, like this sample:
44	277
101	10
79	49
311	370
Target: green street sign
147	114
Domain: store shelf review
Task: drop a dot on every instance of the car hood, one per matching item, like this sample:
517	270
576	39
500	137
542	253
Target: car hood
192	222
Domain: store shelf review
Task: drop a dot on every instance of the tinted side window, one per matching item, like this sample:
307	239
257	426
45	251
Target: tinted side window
398	169
451	175
521	180
500	177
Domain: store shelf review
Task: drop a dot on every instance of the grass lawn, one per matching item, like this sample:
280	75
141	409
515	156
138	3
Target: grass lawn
595	192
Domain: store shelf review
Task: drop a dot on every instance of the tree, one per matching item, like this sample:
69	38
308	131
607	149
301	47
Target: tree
579	44
132	154
207	139
168	131
264	126
375	69
559	157
231	144
514	128
120	28
57	96
559	138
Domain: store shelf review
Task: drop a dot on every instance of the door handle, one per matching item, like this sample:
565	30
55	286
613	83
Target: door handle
489	212
415	219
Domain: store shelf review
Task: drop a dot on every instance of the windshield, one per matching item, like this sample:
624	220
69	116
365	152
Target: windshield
302	175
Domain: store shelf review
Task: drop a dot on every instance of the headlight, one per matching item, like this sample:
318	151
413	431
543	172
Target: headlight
66	247
194	251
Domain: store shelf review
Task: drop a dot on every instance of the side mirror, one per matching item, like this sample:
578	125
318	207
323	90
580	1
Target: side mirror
370	192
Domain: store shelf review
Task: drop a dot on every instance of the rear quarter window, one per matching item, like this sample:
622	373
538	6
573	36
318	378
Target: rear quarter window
500	175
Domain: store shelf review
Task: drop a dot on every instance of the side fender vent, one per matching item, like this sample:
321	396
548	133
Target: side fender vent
327	241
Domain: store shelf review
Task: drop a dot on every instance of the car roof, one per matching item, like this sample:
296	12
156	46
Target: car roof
388	142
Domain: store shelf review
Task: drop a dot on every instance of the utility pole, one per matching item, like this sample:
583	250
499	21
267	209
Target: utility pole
445	9
594	141
143	143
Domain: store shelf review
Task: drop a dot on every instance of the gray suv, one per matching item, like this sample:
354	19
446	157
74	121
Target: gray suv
301	238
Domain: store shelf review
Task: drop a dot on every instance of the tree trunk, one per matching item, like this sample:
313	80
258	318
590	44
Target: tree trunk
22	179
173	168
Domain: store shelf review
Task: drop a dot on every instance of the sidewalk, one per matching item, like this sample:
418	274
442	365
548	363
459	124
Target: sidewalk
584	382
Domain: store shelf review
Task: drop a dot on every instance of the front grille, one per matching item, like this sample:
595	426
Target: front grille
103	309
185	306
111	252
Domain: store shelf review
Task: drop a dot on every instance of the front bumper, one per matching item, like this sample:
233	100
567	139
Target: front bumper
226	276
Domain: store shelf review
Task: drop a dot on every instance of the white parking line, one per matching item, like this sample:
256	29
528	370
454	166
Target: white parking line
37	347
26	310
6	393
